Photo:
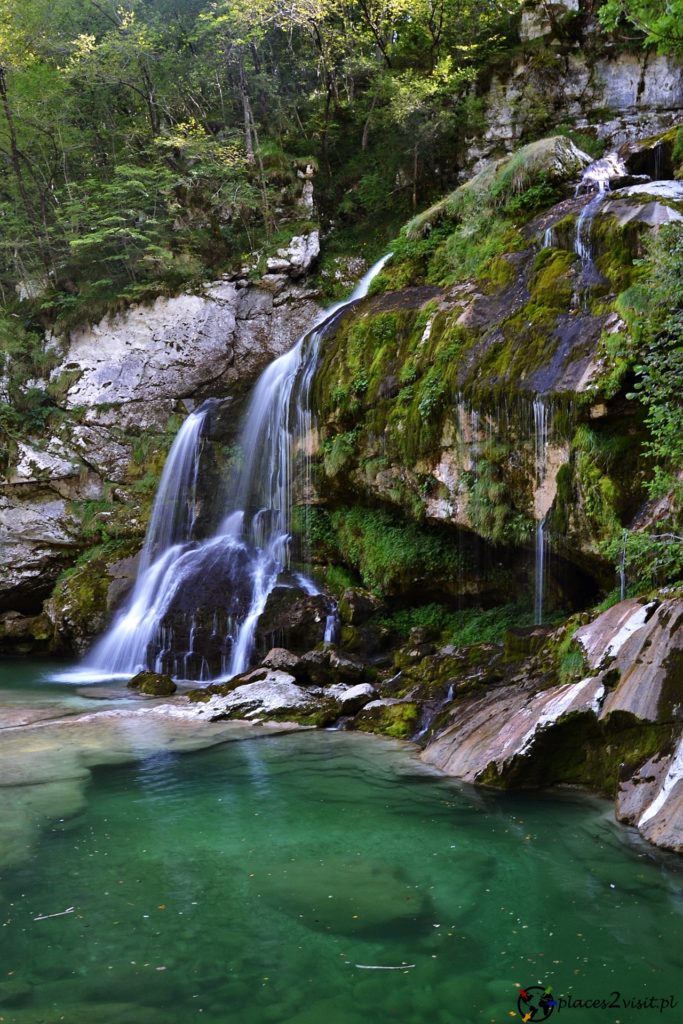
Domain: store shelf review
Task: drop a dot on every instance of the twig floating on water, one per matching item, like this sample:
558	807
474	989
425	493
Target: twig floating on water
44	917
379	967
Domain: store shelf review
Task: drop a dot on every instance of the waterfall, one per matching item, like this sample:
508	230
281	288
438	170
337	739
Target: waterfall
250	547
540	412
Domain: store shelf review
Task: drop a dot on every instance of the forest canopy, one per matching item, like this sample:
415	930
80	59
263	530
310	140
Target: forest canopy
147	143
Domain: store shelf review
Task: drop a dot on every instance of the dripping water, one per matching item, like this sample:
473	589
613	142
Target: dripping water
595	179
540	411
622	568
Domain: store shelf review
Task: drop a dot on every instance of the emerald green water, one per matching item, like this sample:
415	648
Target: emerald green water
246	882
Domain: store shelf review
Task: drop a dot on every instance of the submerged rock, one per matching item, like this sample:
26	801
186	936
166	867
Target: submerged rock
343	895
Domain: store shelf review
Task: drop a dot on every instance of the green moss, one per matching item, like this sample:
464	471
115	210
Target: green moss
80	594
528	338
579	750
391	554
152	684
472	248
571	660
397	720
337	452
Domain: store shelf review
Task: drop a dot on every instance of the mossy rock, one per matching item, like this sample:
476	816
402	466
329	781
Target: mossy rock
153	684
579	750
79	605
398	720
555	159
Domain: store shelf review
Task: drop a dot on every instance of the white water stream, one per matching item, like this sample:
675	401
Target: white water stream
251	544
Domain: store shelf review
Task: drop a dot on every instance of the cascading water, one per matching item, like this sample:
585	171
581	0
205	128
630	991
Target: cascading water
595	178
540	411
250	547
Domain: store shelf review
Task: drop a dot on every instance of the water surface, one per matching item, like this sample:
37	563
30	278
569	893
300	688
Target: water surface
266	880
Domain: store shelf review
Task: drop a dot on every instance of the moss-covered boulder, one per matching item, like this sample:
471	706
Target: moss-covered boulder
153	684
390	717
555	160
86	595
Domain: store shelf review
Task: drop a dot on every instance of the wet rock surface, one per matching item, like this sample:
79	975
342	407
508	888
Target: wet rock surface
618	729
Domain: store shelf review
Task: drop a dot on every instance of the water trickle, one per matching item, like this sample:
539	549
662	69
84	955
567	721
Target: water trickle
622	568
250	547
540	411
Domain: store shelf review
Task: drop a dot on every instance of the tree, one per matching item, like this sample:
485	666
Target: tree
661	24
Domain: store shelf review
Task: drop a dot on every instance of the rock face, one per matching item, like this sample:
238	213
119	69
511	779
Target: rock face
638	94
618	729
190	346
488	409
38	537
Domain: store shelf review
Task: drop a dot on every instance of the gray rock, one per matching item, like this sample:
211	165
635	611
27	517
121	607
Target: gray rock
505	724
150	356
661	820
298	256
351	698
281	659
346	667
35	464
100	450
644	94
38	536
638	652
275	693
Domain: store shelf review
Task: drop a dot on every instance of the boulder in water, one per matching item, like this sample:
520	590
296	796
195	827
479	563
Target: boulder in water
153	684
344	895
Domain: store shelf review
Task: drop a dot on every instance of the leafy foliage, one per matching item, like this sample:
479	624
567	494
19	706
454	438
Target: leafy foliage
147	143
654	312
389	553
660	24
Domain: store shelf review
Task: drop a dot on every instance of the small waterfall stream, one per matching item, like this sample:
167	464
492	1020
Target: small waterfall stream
250	546
594	181
540	411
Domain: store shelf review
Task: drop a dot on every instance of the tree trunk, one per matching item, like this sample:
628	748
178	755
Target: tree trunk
15	161
246	113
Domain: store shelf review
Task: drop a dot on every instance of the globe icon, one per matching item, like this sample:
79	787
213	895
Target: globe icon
535	1003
